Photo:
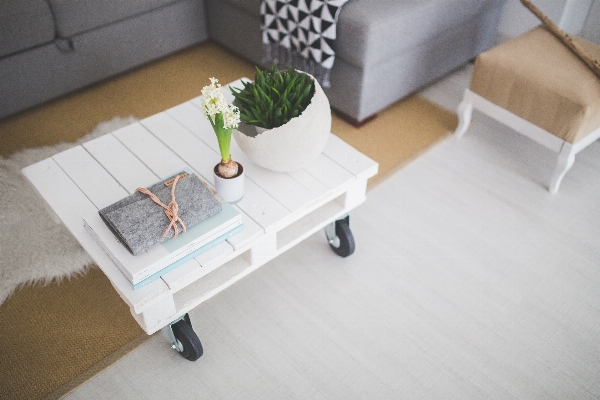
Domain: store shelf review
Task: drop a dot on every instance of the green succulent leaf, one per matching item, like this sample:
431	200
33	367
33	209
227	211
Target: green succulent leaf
274	97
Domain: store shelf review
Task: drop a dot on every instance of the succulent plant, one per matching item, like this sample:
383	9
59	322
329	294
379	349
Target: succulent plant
275	97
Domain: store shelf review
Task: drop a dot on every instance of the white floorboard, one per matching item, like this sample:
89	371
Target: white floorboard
470	281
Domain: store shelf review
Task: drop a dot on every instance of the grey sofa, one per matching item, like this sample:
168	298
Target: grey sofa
52	47
385	49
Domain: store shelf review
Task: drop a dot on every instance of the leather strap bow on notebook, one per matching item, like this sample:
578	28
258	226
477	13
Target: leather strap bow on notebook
162	211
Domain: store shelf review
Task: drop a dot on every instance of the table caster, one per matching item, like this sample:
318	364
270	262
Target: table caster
340	237
183	339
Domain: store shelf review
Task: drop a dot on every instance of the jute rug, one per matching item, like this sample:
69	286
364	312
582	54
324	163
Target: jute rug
64	322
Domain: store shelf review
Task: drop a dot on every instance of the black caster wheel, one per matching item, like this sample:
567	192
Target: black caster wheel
340	237
188	346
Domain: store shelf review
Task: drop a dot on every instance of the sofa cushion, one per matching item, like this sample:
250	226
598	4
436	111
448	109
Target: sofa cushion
372	31
252	7
77	16
24	24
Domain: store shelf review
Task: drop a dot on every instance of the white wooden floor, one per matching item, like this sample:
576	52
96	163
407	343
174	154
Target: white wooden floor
470	281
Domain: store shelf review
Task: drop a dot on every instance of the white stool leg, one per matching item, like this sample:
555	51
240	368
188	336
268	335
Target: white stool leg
465	111
566	158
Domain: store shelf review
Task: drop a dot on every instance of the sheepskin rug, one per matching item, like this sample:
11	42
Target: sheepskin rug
34	248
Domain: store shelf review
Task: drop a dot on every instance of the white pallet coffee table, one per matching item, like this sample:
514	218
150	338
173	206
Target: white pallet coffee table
279	209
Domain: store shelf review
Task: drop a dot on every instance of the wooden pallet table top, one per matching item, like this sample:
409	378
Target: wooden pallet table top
283	207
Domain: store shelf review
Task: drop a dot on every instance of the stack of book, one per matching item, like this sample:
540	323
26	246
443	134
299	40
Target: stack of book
136	233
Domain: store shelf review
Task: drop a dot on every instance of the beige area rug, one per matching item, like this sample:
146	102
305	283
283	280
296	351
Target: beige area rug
71	324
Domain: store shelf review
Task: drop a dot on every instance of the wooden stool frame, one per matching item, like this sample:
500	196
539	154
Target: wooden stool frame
566	151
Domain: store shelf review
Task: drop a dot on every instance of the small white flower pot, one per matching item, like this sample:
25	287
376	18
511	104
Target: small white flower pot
230	189
293	145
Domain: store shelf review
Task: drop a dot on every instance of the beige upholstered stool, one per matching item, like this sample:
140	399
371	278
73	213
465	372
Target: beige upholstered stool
538	87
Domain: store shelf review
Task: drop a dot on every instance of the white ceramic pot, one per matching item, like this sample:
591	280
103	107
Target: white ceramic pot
293	145
230	189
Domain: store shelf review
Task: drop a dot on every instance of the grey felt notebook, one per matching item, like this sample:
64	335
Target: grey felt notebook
139	222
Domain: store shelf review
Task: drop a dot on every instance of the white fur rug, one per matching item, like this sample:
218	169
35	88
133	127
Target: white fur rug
33	247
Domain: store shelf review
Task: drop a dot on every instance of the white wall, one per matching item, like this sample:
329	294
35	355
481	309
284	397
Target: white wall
591	29
570	15
516	18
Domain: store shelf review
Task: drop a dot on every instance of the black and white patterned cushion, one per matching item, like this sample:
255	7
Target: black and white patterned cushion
301	33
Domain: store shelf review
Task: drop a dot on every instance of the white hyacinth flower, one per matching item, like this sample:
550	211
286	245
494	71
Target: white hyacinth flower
213	103
231	117
223	119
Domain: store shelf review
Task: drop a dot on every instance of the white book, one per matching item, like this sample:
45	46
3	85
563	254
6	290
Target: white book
143	268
